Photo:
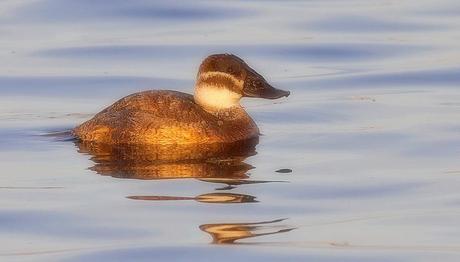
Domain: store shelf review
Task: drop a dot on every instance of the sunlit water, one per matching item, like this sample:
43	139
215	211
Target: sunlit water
366	147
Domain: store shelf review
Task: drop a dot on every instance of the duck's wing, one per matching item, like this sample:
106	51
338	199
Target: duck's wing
153	101
154	117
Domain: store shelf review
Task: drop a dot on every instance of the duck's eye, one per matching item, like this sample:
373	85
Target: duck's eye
255	84
230	70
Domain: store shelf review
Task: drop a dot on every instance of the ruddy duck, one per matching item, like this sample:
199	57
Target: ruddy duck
212	115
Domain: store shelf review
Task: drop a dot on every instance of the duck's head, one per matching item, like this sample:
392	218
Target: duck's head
223	79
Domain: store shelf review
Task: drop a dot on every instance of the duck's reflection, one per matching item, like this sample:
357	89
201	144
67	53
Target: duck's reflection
232	183
228	233
211	163
218	198
172	161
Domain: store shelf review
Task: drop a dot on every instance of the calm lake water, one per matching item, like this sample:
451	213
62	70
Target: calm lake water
360	163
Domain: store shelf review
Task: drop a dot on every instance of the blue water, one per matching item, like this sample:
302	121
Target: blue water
368	143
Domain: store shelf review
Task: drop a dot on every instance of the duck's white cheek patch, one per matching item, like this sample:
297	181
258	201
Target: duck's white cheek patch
212	96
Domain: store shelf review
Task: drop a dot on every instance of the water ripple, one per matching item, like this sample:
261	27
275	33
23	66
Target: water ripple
365	24
87	11
295	52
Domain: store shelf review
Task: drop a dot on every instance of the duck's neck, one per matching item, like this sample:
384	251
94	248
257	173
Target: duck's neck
214	99
215	93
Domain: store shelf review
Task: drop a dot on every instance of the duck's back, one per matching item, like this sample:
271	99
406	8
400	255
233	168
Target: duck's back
162	117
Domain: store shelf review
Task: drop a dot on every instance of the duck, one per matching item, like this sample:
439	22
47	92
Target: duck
213	114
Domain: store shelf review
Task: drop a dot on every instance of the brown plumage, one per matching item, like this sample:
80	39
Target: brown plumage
212	115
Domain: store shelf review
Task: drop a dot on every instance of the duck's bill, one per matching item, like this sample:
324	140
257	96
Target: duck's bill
268	92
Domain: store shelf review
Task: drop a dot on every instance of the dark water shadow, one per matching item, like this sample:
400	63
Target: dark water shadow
51	223
293	52
225	253
442	11
88	11
229	233
60	136
81	86
365	24
425	78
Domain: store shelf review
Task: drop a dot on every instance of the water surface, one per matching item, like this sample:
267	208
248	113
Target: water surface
366	147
